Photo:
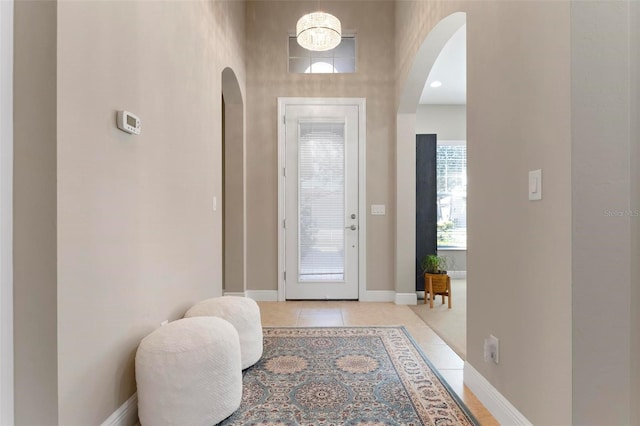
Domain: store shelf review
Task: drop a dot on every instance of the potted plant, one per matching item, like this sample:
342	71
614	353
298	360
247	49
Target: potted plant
436	280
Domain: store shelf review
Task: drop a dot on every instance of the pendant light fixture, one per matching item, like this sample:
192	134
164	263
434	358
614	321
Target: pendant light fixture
318	31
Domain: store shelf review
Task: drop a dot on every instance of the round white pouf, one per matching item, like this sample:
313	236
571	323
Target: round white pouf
188	373
244	314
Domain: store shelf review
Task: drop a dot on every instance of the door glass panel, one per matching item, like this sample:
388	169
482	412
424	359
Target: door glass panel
321	198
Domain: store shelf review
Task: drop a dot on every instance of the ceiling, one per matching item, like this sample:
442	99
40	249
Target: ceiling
450	69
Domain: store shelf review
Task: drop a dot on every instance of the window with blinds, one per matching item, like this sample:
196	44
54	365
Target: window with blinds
451	173
321	201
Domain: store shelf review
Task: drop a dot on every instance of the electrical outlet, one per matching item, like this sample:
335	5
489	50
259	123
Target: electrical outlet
491	349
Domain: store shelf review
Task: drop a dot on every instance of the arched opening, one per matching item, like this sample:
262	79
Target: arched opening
410	121
233	186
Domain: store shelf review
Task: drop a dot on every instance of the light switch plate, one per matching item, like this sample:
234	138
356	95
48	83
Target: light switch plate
378	209
535	185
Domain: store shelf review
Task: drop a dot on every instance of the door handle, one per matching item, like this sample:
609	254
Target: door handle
352	227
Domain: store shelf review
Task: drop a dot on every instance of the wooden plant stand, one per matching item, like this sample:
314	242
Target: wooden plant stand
437	285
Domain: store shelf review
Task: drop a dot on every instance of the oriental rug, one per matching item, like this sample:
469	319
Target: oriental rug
345	376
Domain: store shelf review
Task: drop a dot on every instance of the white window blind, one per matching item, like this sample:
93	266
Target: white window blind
451	169
321	200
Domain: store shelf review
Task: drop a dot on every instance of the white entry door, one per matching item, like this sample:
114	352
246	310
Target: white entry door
321	223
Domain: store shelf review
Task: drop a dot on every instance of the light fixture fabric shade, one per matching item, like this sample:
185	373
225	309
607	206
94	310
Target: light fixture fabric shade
318	31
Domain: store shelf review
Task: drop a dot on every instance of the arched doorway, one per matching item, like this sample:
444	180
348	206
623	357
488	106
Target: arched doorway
233	186
406	147
410	118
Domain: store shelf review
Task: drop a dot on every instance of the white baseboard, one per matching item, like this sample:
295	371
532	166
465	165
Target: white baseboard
126	414
235	293
406	299
498	405
378	296
368	296
263	295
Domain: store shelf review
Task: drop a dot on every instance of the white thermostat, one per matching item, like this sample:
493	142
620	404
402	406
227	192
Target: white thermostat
128	122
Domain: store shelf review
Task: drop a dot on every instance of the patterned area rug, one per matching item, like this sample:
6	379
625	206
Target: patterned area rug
345	376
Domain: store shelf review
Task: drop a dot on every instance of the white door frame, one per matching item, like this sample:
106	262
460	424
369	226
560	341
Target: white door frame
6	212
362	184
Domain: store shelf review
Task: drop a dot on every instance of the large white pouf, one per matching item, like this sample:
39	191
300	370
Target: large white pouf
244	314
188	373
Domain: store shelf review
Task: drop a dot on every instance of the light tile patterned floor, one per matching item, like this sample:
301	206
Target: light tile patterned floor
336	314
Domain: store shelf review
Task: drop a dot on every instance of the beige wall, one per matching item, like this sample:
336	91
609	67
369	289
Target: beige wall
518	111
536	100
414	19
449	122
601	163
635	206
519	119
415	54
405	203
34	217
268	26
234	191
138	240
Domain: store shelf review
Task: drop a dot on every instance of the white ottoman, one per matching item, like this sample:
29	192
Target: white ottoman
244	314
188	373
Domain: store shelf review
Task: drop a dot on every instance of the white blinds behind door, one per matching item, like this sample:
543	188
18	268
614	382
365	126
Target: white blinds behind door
321	201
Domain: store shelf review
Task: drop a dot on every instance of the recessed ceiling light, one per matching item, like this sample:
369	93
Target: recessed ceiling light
436	84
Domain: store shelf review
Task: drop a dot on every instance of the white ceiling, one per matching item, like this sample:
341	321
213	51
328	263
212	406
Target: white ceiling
451	69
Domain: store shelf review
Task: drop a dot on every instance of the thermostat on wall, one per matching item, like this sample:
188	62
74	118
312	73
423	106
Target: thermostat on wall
128	122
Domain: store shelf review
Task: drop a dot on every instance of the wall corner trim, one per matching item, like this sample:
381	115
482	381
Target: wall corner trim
263	295
406	299
125	415
503	411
